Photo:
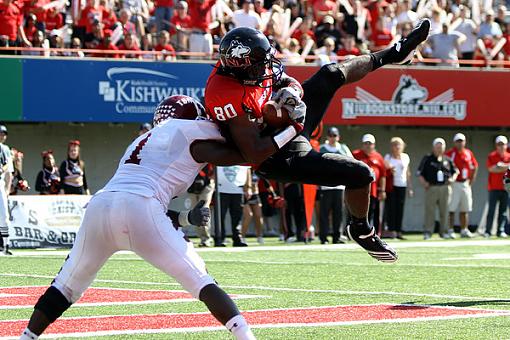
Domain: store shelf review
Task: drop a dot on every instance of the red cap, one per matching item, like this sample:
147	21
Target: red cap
74	142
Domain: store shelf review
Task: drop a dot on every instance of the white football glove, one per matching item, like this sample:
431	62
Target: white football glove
288	98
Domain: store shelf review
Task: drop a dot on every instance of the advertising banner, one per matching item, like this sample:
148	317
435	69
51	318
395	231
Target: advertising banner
105	91
420	97
45	221
10	90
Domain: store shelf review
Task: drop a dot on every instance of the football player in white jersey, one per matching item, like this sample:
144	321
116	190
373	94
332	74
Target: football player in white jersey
129	213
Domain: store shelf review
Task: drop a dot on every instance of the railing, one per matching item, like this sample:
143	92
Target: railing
162	55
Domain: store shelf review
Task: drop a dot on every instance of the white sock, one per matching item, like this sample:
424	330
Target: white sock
6	240
28	335
240	328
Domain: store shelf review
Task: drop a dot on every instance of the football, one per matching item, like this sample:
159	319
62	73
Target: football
275	117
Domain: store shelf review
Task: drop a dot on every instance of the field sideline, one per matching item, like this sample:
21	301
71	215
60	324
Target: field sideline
437	290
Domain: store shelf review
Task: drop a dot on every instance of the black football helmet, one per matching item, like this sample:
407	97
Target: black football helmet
247	54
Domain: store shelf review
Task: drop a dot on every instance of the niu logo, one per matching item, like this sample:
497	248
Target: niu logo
238	54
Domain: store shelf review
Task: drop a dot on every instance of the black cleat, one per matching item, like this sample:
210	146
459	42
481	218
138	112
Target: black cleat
403	50
374	246
239	244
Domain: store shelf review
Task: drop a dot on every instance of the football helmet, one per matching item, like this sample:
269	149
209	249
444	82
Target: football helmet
247	54
178	107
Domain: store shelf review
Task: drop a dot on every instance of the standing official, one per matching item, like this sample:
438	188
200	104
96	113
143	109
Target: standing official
436	173
331	198
462	198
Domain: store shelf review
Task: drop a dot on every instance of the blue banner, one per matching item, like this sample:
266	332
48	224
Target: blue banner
105	91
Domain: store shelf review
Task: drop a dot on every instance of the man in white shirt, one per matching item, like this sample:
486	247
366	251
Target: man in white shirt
129	213
468	28
232	183
406	14
331	198
246	16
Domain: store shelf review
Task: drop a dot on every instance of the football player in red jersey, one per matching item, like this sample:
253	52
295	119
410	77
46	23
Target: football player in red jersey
248	75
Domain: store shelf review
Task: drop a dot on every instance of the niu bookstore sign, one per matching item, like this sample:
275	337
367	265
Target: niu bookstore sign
420	97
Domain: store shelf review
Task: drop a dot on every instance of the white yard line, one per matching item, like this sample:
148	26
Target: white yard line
328	247
280	289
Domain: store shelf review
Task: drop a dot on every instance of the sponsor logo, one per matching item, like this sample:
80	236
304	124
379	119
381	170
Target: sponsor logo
139	90
409	101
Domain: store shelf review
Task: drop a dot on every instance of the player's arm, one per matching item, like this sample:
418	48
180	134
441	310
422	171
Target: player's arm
288	81
215	152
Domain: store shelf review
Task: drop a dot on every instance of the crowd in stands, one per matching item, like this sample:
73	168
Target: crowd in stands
316	31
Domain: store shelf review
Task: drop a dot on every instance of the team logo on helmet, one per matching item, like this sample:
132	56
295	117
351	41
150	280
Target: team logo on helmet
238	54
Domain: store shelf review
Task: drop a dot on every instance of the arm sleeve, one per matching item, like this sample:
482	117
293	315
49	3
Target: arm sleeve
62	171
85	185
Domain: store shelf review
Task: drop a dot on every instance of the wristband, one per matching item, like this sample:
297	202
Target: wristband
183	218
285	136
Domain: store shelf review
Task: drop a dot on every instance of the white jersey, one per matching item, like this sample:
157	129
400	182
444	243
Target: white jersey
159	163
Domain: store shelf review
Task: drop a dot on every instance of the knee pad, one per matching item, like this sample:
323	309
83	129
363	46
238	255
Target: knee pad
364	176
52	304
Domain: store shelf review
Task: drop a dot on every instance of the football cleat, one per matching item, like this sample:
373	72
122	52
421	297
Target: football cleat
374	246
6	250
406	47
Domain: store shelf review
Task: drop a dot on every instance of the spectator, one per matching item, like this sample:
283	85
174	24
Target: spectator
252	209
72	172
368	155
11	23
436	173
446	46
246	16
202	188
30	26
108	16
181	25
200	40
87	16
292	55
163	12
468	28
331	198
323	8
164	46
327	30
501	17
406	15
18	182
48	179
75	45
506	48
6	169
348	47
107	45
130	44
326	54
305	29
54	20
381	36
139	11
398	164
36	7
462	198
489	27
232	183
125	22
437	21
498	162
94	39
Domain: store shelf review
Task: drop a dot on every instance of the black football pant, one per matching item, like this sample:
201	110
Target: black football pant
232	203
298	162
330	202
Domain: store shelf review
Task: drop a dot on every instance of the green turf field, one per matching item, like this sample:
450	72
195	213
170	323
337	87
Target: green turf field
472	274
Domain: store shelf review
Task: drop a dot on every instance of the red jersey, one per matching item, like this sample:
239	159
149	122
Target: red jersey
30	30
506	47
109	17
200	14
88	15
465	161
54	21
343	52
10	20
382	38
326	6
164	3
169	48
227	98
496	179
178	21
298	34
376	162
36	7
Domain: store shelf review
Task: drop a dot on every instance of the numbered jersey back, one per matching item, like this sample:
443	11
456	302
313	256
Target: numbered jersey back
159	163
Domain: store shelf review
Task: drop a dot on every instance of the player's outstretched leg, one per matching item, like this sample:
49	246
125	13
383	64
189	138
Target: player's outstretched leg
223	308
